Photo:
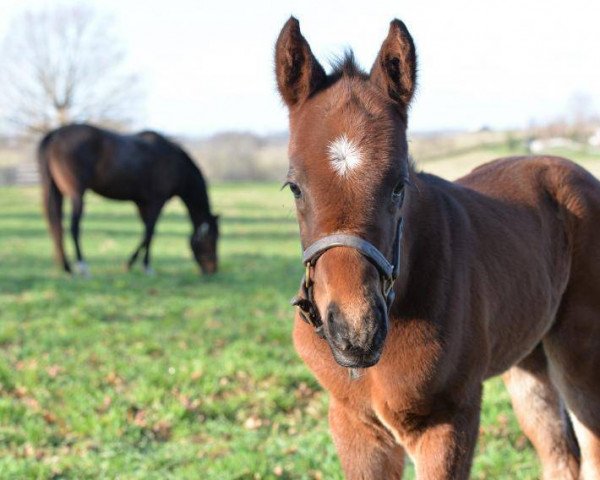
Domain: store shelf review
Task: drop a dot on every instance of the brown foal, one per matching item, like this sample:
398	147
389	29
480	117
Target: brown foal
499	273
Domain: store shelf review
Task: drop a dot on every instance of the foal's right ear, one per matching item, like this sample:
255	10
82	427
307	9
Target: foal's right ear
395	69
298	72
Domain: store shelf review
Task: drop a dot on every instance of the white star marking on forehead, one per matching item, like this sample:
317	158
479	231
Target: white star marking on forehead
344	155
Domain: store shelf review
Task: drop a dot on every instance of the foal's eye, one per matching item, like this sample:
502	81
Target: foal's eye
398	192
295	189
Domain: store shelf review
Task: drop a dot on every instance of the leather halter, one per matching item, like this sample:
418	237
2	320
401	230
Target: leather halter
388	271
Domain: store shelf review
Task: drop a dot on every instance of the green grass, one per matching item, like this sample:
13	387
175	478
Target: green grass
176	375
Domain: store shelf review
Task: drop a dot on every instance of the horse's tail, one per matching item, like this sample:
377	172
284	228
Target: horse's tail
53	201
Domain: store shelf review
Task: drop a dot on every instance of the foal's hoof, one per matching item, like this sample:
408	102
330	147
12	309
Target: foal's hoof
82	268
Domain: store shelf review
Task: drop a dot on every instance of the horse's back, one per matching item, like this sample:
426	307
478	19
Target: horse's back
513	176
82	156
568	191
71	153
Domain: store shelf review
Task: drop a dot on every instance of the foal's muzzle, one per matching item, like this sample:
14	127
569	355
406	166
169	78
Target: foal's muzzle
359	350
356	349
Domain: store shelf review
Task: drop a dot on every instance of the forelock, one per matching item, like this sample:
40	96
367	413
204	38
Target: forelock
346	66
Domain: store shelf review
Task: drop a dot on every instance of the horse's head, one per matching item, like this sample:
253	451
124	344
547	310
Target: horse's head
348	168
204	244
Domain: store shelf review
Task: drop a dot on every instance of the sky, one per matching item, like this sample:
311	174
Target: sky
207	66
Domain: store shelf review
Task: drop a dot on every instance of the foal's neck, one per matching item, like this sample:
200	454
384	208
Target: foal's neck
426	254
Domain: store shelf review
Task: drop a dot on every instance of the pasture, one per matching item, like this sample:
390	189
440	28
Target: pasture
178	376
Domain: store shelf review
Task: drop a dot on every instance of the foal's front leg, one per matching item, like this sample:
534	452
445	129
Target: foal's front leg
444	448
366	452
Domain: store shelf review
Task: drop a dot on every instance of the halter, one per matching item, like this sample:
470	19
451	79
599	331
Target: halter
388	272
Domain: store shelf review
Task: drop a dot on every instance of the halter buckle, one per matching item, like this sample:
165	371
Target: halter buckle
307	275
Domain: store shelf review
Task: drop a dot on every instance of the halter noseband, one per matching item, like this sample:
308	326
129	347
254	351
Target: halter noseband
388	272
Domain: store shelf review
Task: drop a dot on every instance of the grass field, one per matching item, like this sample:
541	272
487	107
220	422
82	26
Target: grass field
173	376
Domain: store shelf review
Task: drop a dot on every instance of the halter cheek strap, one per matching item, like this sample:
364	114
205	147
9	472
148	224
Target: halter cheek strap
388	271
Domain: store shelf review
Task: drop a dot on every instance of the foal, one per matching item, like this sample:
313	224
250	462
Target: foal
497	273
145	168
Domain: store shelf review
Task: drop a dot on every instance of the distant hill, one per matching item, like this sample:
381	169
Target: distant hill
245	156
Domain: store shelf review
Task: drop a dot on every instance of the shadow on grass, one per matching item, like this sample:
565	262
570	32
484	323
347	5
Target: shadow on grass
248	273
120	217
36	226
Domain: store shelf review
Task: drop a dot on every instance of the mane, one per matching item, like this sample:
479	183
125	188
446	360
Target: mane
194	193
157	139
346	66
162	141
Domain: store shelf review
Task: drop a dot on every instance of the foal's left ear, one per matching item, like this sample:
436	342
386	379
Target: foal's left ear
395	69
298	72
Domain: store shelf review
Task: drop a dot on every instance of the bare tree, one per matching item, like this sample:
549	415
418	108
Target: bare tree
64	65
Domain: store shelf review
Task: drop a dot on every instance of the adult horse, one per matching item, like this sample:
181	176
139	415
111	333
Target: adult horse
497	273
145	168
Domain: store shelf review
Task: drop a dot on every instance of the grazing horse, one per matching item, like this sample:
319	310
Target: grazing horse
496	273
145	168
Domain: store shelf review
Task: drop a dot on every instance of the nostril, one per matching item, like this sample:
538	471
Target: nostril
333	314
330	317
338	331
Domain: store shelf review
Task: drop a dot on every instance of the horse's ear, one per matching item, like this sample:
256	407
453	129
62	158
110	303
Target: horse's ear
298	72
395	69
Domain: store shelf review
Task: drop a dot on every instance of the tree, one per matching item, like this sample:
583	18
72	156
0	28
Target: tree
64	65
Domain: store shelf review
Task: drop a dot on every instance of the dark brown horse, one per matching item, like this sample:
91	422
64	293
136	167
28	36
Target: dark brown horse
145	168
497	273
